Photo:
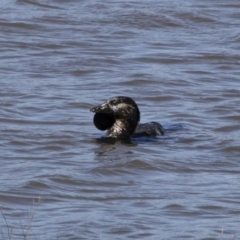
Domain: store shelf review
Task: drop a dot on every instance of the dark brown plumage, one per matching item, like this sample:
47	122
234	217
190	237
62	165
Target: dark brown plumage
120	116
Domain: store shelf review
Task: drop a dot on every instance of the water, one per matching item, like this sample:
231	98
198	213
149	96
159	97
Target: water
179	60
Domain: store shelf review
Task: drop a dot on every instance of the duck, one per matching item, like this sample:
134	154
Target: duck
120	116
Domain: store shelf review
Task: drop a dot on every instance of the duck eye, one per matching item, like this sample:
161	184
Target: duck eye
113	102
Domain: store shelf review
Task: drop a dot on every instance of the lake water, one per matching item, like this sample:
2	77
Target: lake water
179	60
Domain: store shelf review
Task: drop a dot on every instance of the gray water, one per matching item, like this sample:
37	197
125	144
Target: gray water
179	60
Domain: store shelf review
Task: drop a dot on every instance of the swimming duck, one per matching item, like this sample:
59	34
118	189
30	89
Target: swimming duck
120	116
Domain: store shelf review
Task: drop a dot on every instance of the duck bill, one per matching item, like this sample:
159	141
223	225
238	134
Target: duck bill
103	108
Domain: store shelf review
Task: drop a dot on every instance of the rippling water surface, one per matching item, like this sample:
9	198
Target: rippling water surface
179	60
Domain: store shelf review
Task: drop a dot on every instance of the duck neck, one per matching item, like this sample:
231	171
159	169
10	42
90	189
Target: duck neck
122	129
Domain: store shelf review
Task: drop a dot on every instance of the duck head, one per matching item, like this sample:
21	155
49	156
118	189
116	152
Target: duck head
118	115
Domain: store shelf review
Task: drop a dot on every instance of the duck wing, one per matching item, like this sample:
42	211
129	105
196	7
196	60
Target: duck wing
148	129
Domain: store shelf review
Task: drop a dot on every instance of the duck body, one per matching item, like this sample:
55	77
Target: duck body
148	130
120	116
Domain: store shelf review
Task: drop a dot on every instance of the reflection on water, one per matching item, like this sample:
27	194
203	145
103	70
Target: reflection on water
178	60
